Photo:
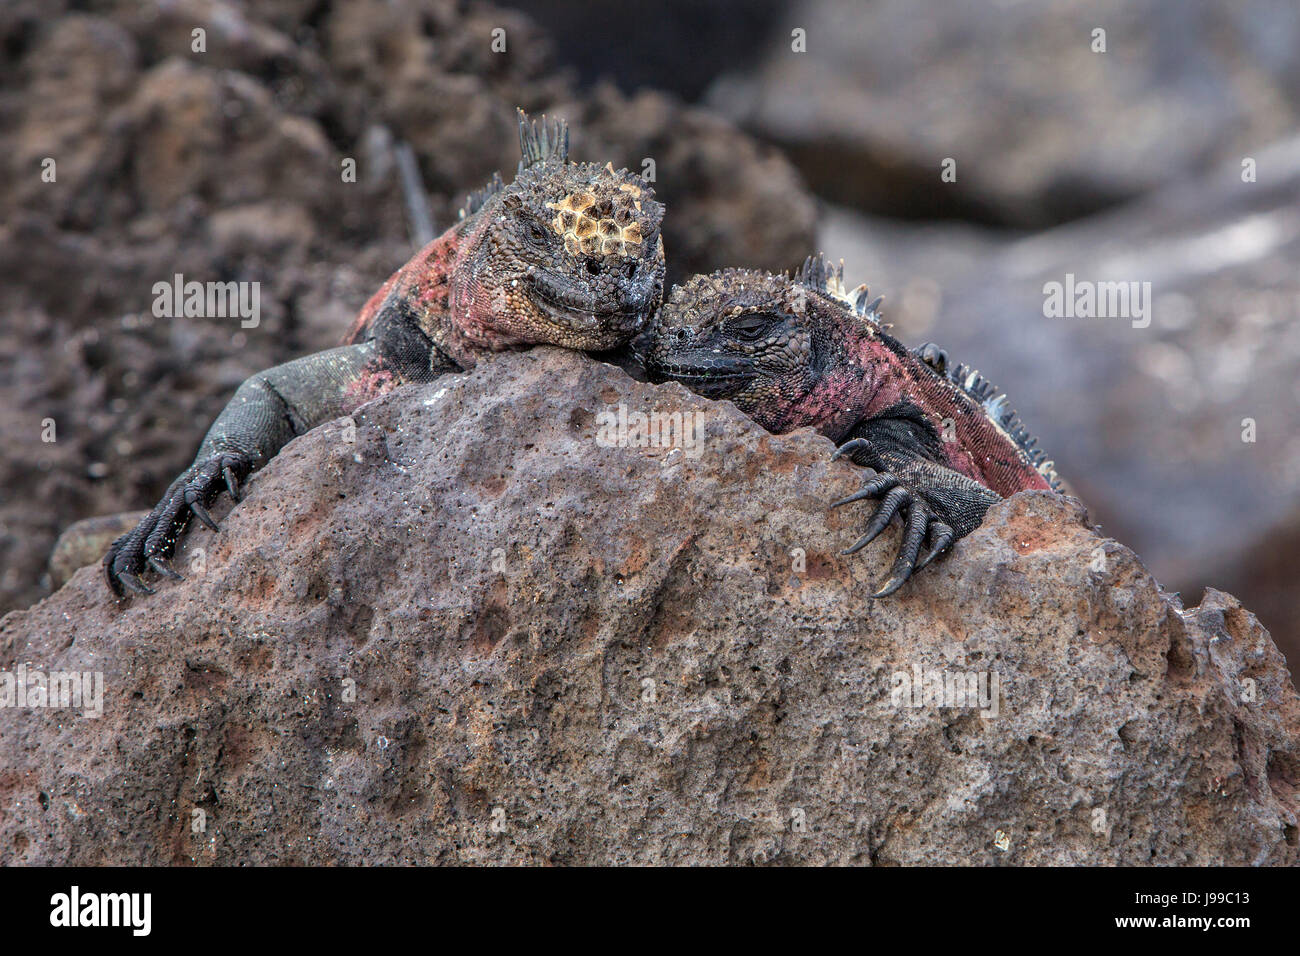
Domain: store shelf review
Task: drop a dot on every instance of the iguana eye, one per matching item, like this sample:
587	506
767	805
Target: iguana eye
535	230
748	327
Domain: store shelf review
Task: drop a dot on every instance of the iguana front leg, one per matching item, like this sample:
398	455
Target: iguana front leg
937	503
268	410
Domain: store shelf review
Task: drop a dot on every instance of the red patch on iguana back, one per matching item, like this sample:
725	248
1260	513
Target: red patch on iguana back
973	444
423	280
979	448
373	381
362	322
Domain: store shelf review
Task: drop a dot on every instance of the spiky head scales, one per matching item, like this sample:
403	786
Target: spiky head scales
567	254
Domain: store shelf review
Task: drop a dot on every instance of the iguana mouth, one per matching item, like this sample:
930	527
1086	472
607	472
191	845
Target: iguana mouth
719	377
549	292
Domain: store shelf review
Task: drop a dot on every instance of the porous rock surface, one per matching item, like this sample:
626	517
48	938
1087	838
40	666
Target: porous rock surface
462	628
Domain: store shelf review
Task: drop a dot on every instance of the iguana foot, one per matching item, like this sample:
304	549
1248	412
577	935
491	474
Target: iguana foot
897	499
154	539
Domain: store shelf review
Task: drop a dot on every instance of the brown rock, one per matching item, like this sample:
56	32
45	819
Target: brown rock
480	634
86	542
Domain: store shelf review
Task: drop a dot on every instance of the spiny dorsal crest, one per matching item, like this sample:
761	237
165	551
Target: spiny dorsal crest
479	197
542	141
816	273
996	406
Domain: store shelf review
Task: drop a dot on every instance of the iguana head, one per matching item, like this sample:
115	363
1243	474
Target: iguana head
568	254
786	350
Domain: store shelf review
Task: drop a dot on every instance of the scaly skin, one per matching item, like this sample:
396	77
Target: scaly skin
940	446
568	254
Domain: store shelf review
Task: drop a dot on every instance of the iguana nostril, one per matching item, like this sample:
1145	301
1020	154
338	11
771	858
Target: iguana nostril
593	267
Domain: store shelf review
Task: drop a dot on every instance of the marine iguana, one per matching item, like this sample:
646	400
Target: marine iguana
568	254
940	442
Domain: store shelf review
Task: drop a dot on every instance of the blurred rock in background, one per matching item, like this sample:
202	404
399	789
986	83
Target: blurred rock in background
681	46
1043	128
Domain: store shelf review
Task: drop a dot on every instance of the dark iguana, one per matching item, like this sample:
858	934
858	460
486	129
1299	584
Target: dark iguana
568	254
941	442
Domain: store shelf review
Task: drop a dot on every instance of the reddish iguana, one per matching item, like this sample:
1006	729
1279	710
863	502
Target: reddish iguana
568	254
941	443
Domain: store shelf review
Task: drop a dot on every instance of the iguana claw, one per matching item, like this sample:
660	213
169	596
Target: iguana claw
875	486
152	541
192	500
851	448
232	483
898	499
166	570
941	538
134	583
